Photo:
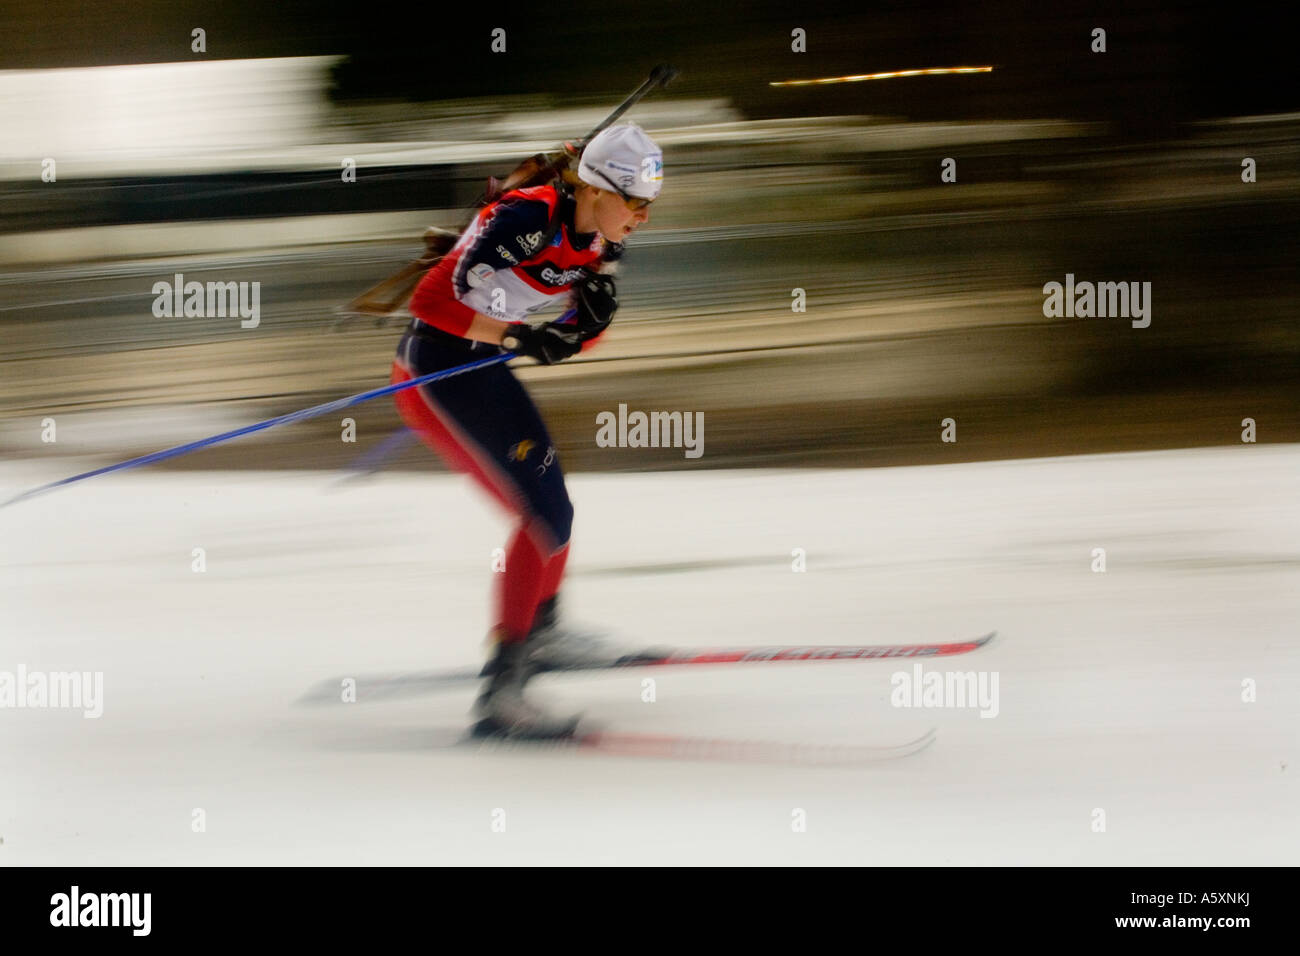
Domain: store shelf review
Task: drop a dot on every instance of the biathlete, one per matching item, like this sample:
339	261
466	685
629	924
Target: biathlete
533	248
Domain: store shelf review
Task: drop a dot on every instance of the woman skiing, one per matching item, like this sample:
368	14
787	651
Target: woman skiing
532	248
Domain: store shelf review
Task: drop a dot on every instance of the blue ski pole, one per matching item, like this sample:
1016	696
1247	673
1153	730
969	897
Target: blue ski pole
297	416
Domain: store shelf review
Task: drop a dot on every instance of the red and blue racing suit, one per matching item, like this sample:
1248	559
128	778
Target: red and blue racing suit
483	422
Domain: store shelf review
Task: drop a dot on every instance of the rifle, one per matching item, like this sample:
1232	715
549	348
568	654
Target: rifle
391	294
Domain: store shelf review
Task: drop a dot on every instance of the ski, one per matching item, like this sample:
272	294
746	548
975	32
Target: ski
708	749
378	687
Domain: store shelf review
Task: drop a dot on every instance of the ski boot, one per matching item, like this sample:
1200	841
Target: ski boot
502	706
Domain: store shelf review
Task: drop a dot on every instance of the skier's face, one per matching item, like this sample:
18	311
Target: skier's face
613	217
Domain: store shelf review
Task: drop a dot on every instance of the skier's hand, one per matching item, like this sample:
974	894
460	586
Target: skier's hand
548	344
596	301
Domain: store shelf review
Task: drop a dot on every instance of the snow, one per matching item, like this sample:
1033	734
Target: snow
1120	691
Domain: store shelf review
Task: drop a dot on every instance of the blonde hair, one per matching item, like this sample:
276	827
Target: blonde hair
575	184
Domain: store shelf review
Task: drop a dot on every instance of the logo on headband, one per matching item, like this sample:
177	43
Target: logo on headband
625	176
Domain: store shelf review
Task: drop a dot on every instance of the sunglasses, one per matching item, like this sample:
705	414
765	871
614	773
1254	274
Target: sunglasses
634	203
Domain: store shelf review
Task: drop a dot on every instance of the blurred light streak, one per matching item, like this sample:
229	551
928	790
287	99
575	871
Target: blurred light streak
856	78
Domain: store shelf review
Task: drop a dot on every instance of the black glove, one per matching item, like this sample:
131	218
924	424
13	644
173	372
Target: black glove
548	343
595	300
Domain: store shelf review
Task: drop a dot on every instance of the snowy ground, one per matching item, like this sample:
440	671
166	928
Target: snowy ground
1119	691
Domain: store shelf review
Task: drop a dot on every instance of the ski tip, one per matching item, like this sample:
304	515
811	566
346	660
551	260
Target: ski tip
963	647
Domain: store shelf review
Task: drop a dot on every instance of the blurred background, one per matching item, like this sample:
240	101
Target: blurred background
924	298
209	588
